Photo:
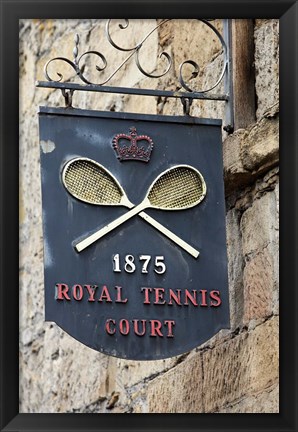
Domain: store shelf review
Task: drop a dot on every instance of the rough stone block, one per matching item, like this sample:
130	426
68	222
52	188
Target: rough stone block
140	104
179	390
59	379
80	383
242	366
27	72
172	106
260	145
276	257
267	65
259	224
209	75
205	382
259	285
235	174
264	402
190	39
128	75
131	372
235	268
61	47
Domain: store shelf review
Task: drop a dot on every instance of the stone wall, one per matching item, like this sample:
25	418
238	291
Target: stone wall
237	370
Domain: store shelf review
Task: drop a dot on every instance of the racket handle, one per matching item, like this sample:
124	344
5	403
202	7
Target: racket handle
111	226
187	247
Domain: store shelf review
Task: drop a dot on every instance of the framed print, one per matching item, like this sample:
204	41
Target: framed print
141	147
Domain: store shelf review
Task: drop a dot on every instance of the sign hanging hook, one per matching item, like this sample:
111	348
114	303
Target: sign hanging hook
186	102
67	97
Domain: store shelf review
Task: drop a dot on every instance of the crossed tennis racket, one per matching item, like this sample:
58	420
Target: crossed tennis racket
177	188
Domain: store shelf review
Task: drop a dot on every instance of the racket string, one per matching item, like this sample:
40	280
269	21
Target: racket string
178	188
91	184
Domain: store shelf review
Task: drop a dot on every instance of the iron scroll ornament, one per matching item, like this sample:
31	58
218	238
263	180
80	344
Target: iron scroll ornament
135	52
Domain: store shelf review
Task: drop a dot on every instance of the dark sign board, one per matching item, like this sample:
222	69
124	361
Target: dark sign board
134	230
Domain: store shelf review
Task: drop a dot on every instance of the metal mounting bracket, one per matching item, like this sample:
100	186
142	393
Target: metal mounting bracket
186	92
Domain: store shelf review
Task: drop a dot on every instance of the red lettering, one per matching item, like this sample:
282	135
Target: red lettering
192	299
140	327
108	328
61	291
136	328
215	295
105	295
155	328
124	327
91	291
159	292
170	324
146	290
119	294
203	302
176	298
77	292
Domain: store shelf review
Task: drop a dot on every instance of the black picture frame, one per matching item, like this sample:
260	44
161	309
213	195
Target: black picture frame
11	12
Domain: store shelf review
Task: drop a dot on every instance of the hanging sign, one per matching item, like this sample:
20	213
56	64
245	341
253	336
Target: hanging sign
135	259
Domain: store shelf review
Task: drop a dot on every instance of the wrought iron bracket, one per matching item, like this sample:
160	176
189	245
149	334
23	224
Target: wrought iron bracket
186	92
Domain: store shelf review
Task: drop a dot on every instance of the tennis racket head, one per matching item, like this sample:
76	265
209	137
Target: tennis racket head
90	182
178	188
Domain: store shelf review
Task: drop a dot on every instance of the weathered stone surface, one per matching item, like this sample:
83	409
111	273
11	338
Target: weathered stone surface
179	390
260	22
139	104
205	382
27	72
210	108
250	152
172	107
59	379
235	174
190	39
275	298
259	224
267	65
264	402
244	199
133	372
259	285
129	75
201	48
260	145
242	366
235	267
